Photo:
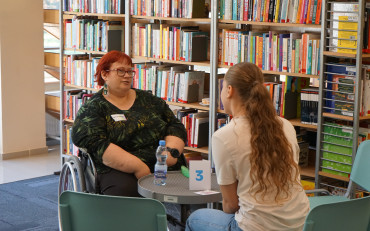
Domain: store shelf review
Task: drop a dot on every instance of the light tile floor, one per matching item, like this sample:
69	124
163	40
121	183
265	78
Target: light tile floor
30	167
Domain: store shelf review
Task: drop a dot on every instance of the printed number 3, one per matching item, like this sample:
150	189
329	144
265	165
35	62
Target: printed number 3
199	175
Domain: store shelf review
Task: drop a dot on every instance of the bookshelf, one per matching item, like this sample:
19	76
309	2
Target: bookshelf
341	106
263	26
213	25
106	12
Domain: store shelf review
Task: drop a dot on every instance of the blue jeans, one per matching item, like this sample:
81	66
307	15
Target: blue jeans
211	220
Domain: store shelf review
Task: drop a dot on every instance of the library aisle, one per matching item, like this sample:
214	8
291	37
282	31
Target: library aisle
30	167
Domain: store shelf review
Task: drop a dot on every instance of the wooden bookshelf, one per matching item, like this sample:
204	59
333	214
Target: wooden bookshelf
149	59
201	150
86	51
280	73
343	117
297	122
272	24
81	88
344	55
195	20
308	171
93	14
69	121
189	105
342	178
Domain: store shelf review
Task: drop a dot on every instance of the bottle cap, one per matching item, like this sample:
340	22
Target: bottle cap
162	143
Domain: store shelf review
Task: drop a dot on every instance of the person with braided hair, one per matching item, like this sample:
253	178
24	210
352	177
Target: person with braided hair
256	162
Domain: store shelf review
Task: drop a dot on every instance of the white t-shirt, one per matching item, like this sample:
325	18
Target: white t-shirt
231	149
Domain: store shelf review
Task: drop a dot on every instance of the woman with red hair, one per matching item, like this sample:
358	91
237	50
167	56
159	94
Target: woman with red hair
121	127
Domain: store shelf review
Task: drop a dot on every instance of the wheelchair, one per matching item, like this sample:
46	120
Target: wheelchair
78	174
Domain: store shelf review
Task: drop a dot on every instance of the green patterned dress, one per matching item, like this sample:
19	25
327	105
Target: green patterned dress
146	122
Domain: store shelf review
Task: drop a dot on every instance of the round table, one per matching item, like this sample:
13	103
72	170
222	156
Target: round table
177	191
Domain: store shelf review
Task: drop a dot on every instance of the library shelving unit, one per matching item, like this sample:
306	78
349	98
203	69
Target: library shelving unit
89	15
214	26
169	22
257	27
341	91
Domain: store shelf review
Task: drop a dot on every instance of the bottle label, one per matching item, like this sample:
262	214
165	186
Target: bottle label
160	174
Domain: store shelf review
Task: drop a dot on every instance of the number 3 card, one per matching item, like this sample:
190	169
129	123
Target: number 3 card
199	175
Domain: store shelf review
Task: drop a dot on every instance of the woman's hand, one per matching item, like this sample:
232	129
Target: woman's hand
142	171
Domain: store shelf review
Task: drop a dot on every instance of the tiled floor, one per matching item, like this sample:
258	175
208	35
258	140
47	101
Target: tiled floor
30	167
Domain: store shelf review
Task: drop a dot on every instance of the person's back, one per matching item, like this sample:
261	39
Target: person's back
234	140
256	162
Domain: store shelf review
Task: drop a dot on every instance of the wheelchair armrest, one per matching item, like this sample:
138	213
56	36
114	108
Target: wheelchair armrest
318	191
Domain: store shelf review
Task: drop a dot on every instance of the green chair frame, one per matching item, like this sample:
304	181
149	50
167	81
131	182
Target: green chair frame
93	212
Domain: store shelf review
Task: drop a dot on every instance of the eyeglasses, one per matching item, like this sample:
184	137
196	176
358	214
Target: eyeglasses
122	73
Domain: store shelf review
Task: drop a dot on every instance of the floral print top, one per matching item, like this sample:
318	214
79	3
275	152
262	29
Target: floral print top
137	130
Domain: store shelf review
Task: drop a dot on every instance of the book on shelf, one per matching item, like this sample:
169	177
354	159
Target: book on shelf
191	87
196	125
309	105
116	36
271	50
169	8
195	44
340	97
80	70
201	131
366	91
281	11
100	7
173	87
343	27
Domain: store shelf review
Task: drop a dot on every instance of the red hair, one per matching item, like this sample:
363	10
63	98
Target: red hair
107	60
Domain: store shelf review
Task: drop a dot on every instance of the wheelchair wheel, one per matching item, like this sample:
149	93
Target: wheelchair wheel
72	176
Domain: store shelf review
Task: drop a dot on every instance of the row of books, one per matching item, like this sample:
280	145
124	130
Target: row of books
340	93
170	42
281	11
73	100
292	98
93	34
196	125
291	52
95	6
80	70
69	148
337	145
174	83
169	8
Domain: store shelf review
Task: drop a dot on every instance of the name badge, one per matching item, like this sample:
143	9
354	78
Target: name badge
199	175
119	117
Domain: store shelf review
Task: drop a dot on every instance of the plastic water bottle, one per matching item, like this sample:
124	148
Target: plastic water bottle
160	168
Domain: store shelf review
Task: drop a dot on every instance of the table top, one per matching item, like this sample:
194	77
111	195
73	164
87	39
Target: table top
177	190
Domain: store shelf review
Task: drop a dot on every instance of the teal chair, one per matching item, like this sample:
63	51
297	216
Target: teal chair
360	175
340	216
89	212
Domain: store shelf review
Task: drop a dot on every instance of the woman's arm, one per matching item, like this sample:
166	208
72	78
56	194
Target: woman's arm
230	199
174	142
175	135
117	158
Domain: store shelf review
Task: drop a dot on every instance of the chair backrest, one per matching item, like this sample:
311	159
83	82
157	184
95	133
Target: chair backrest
340	216
360	173
82	211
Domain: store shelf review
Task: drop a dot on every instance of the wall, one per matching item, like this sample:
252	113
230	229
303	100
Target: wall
22	106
